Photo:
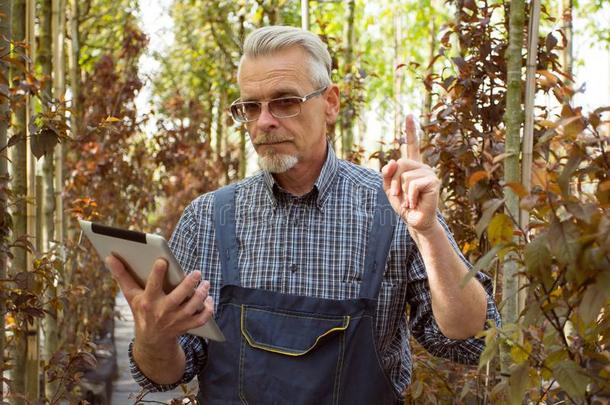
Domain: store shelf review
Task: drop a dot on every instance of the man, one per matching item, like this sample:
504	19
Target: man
310	263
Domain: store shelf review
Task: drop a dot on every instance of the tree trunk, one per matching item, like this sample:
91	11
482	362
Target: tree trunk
226	158
513	119
76	124
59	90
398	77
59	29
75	75
220	132
530	93
218	139
567	64
19	188
427	110
5	37
305	14
52	181
348	112
33	344
44	61
44	52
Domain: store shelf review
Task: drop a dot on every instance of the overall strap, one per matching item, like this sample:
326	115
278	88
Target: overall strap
378	247
226	239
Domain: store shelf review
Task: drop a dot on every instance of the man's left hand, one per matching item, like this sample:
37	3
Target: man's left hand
411	186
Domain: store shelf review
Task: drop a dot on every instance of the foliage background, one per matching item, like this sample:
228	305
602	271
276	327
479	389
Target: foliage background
446	60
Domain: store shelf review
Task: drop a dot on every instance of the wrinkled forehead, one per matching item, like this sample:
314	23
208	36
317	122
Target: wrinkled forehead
280	73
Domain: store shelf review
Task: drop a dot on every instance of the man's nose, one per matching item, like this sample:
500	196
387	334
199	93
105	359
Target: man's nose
266	120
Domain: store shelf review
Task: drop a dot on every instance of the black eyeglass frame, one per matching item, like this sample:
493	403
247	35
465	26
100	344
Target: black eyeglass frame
260	104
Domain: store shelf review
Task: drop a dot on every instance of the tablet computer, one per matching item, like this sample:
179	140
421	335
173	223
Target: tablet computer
138	252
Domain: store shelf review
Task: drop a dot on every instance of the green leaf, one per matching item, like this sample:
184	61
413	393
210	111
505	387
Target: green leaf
518	383
500	229
603	282
538	256
465	391
538	260
563	241
570	377
490	351
500	388
521	353
592	302
556	356
533	314
489	208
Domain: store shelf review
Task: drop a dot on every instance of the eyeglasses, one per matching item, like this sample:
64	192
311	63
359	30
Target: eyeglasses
284	107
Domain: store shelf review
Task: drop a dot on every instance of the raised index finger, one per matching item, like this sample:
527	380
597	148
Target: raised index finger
412	144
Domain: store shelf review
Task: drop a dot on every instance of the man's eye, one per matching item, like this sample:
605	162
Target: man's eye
250	107
286	102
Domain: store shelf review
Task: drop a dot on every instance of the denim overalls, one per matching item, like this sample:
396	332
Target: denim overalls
289	349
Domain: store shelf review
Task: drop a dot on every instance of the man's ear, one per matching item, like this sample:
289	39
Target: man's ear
332	104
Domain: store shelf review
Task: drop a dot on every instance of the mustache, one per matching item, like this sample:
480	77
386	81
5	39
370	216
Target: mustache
269	138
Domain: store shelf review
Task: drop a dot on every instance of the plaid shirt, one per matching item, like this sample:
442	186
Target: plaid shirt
315	245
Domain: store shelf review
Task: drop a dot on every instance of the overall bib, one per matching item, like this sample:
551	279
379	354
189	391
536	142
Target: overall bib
290	349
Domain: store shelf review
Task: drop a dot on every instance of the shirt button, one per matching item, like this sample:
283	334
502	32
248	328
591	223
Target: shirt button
294	267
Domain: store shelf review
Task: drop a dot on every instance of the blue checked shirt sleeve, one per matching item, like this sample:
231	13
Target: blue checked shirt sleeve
184	245
194	350
422	322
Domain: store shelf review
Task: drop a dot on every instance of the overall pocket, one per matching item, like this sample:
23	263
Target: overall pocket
290	357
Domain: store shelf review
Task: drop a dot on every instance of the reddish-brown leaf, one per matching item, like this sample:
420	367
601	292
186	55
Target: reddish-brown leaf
476	177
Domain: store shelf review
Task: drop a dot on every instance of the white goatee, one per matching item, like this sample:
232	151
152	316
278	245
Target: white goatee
277	162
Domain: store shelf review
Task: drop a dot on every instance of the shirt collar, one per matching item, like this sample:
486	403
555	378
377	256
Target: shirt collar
321	186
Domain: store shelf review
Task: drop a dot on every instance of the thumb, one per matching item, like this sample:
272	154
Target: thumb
127	283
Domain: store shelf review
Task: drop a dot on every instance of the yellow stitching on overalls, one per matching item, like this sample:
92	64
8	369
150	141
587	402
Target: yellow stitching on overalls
240	389
251	342
337	388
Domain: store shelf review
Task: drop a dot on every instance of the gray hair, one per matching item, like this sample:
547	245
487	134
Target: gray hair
268	40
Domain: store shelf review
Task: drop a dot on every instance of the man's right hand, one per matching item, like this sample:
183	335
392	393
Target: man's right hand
160	318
